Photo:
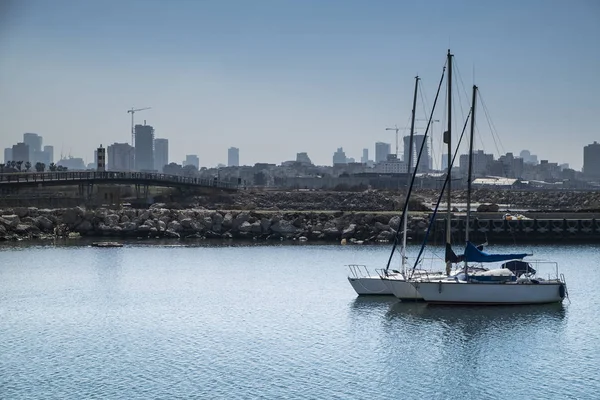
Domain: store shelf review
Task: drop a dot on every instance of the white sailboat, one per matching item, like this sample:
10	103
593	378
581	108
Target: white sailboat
516	282
361	280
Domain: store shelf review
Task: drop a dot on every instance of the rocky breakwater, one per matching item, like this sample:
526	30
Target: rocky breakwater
156	222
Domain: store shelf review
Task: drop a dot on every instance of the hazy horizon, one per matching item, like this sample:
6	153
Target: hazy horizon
274	78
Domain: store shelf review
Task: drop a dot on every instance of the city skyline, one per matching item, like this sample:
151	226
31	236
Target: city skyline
276	79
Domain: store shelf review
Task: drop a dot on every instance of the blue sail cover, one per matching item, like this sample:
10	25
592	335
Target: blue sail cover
475	255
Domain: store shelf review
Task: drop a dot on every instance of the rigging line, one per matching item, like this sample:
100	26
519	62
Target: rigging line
437	206
491	122
405	207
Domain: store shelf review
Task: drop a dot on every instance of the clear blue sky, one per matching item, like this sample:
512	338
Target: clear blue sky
276	77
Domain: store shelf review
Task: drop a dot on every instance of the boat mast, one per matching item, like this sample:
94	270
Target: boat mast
410	156
448	141
470	173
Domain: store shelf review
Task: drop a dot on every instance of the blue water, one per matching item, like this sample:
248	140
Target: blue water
246	322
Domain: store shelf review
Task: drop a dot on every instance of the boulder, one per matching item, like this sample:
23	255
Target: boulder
227	221
283	227
84	227
111	220
161	226
217	222
245	227
10	221
169	233
349	232
22	229
72	216
239	220
256	227
385	236
44	223
265	225
488	208
125	218
331	232
174	226
21	212
395	222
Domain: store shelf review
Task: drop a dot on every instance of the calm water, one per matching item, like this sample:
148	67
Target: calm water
245	322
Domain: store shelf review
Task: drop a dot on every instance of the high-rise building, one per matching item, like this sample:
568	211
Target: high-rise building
161	154
381	151
339	157
120	157
365	156
481	163
144	148
34	141
591	160
20	152
101	159
233	157
528	158
48	155
303	158
192	159
417	142
8	154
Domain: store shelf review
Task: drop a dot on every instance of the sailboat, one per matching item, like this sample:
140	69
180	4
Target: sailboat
361	280
400	285
515	282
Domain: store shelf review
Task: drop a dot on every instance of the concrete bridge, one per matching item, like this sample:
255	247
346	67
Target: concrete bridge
17	180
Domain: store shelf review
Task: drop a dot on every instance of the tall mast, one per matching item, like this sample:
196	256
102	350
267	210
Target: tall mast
410	154
470	173
448	141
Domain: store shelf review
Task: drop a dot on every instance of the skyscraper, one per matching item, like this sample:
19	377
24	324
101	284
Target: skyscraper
233	157
381	151
120	157
192	159
34	141
417	142
20	152
339	157
144	148
365	157
48	155
591	160
161	154
8	154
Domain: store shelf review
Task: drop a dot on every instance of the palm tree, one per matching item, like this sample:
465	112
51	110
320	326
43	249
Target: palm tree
52	167
40	166
27	166
19	164
13	164
2	168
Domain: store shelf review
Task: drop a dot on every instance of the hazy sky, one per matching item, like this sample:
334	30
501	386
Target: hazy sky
276	77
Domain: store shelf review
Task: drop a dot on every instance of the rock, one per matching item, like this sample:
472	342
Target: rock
161	226
111	220
331	232
217	222
174	226
227	221
395	222
10	221
349	232
3	230
157	205
22	229
33	212
125	218
381	227
488	208
239	220
385	235
171	234
84	227
72	216
302	238
128	227
256	227
283	227
245	227
21	212
227	235
265	225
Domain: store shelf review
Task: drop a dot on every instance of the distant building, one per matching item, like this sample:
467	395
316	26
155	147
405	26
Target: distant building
233	157
339	157
303	158
591	160
34	141
381	151
192	159
392	165
101	159
481	163
365	156
417	143
444	162
144	148
161	154
528	158
72	163
120	157
20	152
8	154
48	155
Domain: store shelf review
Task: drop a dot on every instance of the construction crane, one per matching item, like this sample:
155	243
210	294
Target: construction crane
396	129
133	111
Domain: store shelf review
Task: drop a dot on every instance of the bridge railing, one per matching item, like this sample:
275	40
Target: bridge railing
16	177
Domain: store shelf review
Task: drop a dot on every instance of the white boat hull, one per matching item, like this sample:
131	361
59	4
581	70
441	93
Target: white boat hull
369	285
491	293
403	289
